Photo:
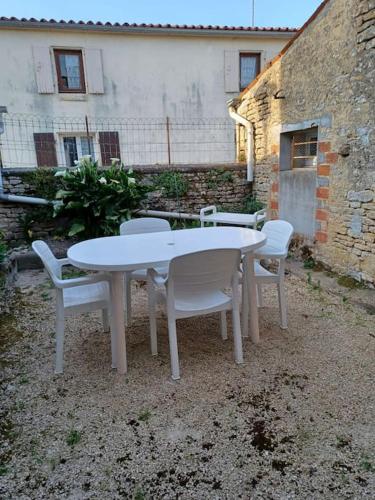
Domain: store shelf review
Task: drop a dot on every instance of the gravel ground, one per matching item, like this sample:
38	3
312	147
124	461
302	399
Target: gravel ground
295	421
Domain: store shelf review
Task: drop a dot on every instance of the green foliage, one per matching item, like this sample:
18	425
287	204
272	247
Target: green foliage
172	183
144	416
218	177
44	183
3	247
37	215
309	263
185	224
73	438
252	205
97	202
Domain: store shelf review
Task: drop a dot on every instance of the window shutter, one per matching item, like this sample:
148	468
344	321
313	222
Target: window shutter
94	71
45	149
109	147
231	71
43	70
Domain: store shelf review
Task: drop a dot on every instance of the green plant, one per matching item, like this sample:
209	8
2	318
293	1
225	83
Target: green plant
73	438
144	416
3	247
44	182
309	263
96	202
43	214
218	177
173	184
252	205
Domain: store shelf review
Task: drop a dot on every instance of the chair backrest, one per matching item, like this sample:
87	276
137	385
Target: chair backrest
144	225
204	271
279	233
49	260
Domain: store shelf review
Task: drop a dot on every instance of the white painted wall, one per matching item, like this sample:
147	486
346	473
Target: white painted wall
144	76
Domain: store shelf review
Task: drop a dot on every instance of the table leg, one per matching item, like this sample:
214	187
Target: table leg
251	297
118	320
245	301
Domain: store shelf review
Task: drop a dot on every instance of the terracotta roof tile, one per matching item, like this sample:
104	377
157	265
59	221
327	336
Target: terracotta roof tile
32	20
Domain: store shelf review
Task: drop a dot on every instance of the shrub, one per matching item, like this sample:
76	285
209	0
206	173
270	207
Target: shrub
252	205
173	184
97	201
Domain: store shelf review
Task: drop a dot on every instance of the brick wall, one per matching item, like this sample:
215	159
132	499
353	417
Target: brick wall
325	79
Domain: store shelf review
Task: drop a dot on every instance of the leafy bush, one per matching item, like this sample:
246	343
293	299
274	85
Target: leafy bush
3	247
252	205
44	183
172	183
96	202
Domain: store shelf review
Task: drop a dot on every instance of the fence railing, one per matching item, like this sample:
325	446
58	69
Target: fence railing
32	140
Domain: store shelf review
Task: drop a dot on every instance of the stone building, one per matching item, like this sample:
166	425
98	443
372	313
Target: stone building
312	113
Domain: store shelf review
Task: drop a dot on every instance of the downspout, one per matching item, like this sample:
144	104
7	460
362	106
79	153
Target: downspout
31	200
240	120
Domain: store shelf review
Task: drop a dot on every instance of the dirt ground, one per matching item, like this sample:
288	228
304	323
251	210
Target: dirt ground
295	421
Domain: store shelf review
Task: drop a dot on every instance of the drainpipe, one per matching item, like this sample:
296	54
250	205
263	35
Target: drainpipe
31	200
240	120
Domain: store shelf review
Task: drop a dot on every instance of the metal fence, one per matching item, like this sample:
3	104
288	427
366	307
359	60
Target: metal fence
31	140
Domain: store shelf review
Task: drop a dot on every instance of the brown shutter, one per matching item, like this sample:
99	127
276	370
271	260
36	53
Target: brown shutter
45	149
109	147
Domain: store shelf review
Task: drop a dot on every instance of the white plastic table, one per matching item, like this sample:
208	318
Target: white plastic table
211	215
117	254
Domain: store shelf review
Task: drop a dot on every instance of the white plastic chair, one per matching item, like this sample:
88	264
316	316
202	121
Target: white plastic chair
139	226
279	233
73	296
194	287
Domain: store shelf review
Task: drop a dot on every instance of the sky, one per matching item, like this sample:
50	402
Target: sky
291	13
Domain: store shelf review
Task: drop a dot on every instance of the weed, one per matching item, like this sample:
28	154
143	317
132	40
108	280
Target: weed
3	470
366	464
312	284
342	441
24	380
45	296
172	183
349	282
144	416
73	438
309	263
138	494
73	273
345	299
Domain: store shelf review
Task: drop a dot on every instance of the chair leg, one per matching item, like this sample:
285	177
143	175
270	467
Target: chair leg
259	295
59	366
152	317
223	325
237	337
173	348
128	299
282	305
105	318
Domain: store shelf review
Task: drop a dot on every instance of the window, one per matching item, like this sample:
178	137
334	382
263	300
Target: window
249	68
299	149
69	68
76	147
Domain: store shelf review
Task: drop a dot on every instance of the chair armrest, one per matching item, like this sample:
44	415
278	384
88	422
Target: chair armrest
84	280
156	278
207	211
258	215
64	262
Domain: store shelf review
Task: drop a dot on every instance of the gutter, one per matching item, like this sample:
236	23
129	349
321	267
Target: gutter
240	120
143	30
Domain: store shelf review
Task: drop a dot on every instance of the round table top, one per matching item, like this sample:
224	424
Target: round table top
147	250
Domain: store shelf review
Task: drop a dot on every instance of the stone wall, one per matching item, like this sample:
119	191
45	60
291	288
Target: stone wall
325	79
222	185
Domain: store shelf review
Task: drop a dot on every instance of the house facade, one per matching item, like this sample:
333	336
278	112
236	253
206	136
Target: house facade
312	111
108	88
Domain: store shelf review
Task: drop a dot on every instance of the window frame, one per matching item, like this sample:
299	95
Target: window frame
257	56
60	83
78	136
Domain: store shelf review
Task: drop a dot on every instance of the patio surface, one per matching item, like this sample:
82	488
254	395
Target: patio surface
296	421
